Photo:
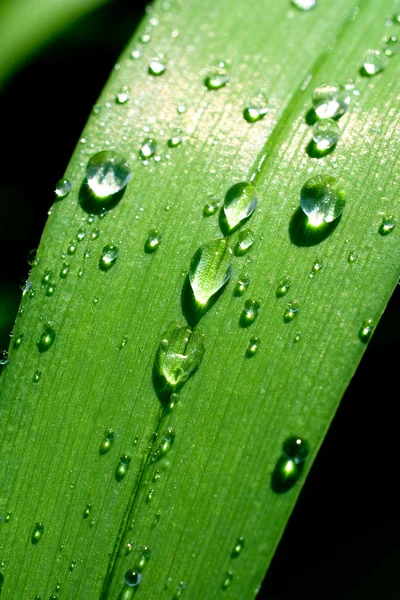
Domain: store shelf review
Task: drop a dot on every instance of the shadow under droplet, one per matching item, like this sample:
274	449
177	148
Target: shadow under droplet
314	152
162	389
223	224
303	234
93	205
282	481
192	311
311	117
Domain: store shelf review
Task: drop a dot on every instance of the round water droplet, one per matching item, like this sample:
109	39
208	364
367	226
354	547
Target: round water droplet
211	207
4	358
352	257
242	285
107	174
32	258
283	286
304	4
387	225
366	330
47	337
296	449
250	312
322	199
372	62
37	533
122	467
50	288
176	138
158	65
108	257
227	580
64	270
240	202
253	347
326	134
291	311
256	108
245	242
210	269
123	96
18	340
153	241
81	234
179	355
46	277
133	577
148	148
72	247
217	77
238	547
36	376
63	188
107	441
330	100
95	233
164	446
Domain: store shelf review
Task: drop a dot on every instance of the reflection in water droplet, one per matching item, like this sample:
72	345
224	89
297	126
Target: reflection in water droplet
352	257
158	65
217	77
289	467
245	242
107	441
292	310
304	4
50	289
153	241
296	448
256	108
176	138
179	354
210	269
122	467
253	346
390	43
47	337
372	62
37	533
133	578
63	188
283	286
366	330
64	270
387	225
148	148
107	173
238	547
108	257
4	358
326	134
322	199
250	312
330	101
297	337
72	247
242	285
80	235
123	96
240	202
87	511
227	580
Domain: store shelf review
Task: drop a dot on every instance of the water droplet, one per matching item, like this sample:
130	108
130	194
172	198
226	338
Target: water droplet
46	277
330	101
144	557
164	446
107	173
242	285
150	496
211	207
210	269
37	533
8	517
296	449
291	311
290	465
47	337
72	247
253	346
148	148
304	4
326	134
18	340
179	354
4	358
122	467
227	581
153	241
240	202
63	188
256	108
123	342
238	547
87	511
181	108
250	312
322	199
297	337
50	288
372	63
108	257
352	257
387	225
133	577
95	233
1	581
123	96
317	266
107	441
64	270
176	138
36	376
283	286
72	565
158	65
32	258
217	77
81	233
180	588
32	293
366	330
245	242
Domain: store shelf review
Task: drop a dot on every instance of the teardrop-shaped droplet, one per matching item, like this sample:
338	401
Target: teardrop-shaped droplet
153	241
290	465
63	188
122	467
326	134
227	580
366	330
304	4
372	62
107	173
217	77
352	257
36	376
322	199
283	286
242	285
64	270
47	337
387	225
210	269
179	355
32	257
250	311
211	206
176	138
164	445
107	441
256	108
108	256
37	533
330	100
245	242
253	347
18	340
240	202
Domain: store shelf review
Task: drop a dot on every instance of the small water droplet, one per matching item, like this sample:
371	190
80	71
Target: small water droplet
107	174
296	449
153	241
227	580
95	233
240	202
245	242
32	258
164	446
144	557
137	53
389	47
81	234
179	354
242	285
176	138
47	337
253	347
387	225
4	358
108	257
158	65
330	100
46	277
217	77
133	577
107	441
72	247
291	311
256	108
322	199
290	465
122	467
366	330
36	376
283	286
211	207
181	108
37	533
25	286
87	511
148	148
123	95
250	312
304	4
238	547
297	337
352	257
63	188
64	270
210	269
150	496
317	266
372	63
326	134
123	342
7	518
72	565
50	288
18	340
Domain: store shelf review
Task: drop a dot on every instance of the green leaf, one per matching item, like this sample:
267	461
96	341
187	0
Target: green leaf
93	449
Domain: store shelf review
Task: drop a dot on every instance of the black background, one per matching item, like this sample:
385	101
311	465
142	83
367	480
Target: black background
342	540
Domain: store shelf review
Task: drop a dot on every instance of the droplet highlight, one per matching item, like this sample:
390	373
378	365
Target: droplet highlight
63	188
107	174
322	199
330	101
46	339
108	257
326	134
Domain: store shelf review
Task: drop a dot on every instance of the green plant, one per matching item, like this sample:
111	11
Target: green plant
230	420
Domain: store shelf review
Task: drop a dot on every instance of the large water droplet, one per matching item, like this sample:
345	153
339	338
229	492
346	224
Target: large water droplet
387	225
148	148
210	269
47	338
250	312
37	533
240	202
108	257
256	108
366	330
322	199
245	242
107	173
153	241
122	467
304	4
330	101
217	77
158	65
179	354
372	62
63	188
326	134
